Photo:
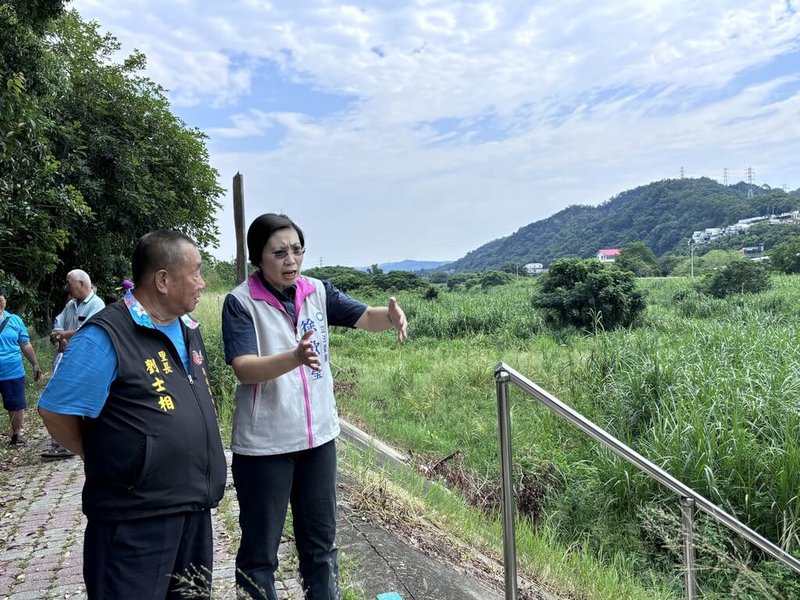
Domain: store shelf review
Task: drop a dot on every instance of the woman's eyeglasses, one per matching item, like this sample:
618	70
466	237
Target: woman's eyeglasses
281	254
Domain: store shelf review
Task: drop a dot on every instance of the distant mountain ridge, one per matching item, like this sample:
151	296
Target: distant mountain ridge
409	265
662	214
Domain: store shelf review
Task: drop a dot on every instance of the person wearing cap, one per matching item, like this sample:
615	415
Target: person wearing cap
275	329
82	305
14	339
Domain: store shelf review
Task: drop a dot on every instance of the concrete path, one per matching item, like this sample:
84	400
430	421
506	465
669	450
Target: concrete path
41	540
41	536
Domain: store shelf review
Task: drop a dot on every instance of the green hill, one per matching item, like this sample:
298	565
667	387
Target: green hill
662	214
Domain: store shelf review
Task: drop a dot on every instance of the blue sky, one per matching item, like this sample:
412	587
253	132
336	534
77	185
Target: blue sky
393	130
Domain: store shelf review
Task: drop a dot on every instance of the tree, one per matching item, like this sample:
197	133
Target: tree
513	267
37	207
785	257
346	279
709	262
670	263
138	166
457	279
90	157
639	259
587	294
398	280
739	277
219	275
494	278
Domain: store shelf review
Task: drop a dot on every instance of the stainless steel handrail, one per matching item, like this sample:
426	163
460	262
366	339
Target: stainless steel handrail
504	375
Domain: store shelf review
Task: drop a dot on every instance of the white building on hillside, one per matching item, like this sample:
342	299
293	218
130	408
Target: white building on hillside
608	255
534	268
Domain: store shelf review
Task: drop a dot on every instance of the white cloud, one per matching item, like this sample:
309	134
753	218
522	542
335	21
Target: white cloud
559	103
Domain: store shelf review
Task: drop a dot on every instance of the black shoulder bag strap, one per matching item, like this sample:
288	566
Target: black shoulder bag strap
3	324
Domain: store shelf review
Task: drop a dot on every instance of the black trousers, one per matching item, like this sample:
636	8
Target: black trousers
153	558
265	485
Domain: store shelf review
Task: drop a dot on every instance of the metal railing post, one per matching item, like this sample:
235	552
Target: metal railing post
690	499
690	580
509	535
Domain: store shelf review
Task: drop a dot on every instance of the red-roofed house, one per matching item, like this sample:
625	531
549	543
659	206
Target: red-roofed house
608	255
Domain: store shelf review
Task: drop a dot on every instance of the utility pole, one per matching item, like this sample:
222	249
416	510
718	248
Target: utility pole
691	252
725	176
238	224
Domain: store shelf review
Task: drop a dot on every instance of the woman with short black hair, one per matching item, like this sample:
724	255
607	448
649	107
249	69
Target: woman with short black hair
275	328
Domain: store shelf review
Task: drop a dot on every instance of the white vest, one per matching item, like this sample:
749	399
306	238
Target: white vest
297	410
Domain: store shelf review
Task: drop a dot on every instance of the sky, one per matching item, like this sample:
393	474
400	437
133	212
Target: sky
391	129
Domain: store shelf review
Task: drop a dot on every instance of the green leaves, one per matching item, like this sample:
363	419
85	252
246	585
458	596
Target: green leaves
91	157
738	277
785	257
588	295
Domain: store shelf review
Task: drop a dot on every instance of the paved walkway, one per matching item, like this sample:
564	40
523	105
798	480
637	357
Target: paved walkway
41	542
41	536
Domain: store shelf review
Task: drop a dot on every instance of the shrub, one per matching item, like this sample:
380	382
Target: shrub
739	277
347	279
587	294
785	257
494	278
431	293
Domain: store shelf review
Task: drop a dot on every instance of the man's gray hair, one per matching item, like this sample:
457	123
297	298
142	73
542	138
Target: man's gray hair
82	276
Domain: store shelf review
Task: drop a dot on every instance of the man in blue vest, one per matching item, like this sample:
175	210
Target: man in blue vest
132	398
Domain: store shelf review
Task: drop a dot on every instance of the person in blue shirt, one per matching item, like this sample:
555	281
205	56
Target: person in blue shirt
13	339
132	398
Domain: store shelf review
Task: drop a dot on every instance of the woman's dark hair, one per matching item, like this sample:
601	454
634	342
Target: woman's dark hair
3	292
262	229
156	250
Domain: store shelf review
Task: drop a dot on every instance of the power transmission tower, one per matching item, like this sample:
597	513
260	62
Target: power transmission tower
725	176
749	182
681	172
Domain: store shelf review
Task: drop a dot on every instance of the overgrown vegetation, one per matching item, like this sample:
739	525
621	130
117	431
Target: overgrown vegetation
739	277
588	295
703	387
88	146
785	257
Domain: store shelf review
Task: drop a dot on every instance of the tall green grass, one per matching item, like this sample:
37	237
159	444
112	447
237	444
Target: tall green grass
708	389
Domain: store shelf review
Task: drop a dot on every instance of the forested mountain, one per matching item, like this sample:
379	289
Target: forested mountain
409	265
662	214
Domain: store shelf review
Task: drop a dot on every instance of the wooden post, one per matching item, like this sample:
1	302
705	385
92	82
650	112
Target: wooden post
238	223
